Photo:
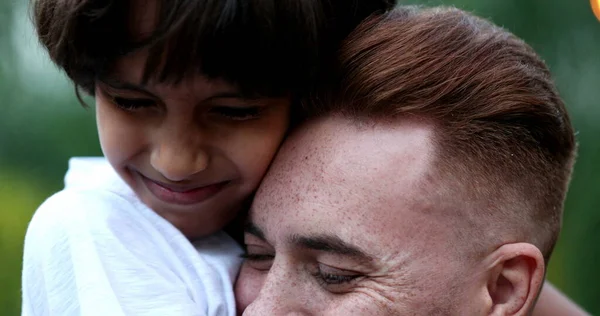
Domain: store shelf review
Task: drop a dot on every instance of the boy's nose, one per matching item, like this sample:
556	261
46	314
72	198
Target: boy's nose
177	163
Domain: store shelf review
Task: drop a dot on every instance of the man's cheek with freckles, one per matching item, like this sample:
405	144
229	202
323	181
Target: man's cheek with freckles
365	301
247	286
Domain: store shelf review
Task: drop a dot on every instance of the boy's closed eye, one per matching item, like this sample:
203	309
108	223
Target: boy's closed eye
235	113
125	99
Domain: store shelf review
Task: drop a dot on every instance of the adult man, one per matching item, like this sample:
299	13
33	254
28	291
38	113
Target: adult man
431	184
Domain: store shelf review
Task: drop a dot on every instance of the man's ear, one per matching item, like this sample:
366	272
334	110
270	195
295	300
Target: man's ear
515	276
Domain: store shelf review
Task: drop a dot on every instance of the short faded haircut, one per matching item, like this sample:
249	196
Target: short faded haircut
265	47
504	141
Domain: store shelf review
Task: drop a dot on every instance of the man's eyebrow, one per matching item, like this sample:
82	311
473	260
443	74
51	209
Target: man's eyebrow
332	244
252	229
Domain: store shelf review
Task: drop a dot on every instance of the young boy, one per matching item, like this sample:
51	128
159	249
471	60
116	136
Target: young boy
193	98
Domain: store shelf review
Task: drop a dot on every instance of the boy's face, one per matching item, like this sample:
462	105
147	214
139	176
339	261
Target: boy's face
194	151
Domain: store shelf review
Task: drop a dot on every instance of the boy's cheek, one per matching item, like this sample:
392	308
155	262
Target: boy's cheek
119	133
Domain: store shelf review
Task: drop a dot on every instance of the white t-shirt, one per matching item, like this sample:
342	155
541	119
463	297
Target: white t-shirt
95	249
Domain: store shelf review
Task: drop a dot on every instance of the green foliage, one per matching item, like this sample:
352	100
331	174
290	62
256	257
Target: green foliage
20	196
42	125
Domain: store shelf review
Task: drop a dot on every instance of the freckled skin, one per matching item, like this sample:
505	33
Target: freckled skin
371	186
363	184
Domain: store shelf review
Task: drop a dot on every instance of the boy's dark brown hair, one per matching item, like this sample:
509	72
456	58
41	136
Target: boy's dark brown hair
266	47
504	141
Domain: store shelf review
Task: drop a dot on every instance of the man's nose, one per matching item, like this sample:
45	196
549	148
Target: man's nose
278	297
179	158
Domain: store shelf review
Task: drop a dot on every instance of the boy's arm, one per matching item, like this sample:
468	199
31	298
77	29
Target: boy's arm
77	261
553	302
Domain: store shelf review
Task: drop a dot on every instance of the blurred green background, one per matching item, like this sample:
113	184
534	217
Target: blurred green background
42	125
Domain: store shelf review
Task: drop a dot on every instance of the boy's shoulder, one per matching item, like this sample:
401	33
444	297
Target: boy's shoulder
91	243
94	200
97	203
96	174
74	205
75	217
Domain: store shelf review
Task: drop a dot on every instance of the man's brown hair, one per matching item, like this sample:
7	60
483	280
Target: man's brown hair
266	47
503	136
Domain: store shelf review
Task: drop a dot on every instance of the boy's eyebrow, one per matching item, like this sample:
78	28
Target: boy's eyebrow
332	244
122	85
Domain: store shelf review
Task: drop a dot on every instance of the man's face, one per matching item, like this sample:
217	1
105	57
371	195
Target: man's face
347	222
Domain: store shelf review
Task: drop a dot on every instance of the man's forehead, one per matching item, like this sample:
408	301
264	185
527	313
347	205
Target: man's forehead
367	184
334	165
341	149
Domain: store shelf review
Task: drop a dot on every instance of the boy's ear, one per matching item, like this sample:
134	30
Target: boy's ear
514	279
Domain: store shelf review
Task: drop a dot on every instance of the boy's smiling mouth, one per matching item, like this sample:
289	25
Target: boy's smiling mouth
182	194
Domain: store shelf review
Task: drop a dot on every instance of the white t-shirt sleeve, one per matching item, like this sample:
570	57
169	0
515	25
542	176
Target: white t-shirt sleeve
80	259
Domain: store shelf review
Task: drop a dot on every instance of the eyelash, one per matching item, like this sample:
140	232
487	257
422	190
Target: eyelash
324	279
132	104
328	279
237	113
256	257
232	113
